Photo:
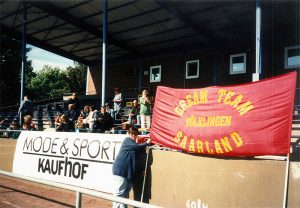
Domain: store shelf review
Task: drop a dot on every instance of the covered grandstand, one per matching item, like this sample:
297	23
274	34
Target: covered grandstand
143	44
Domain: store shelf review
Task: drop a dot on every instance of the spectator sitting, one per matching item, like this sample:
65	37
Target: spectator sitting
94	125
85	111
72	114
64	124
92	118
28	124
89	116
75	101
2	120
105	120
110	111
79	125
14	126
57	119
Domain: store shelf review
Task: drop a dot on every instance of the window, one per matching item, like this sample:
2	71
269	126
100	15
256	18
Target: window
238	63
292	57
192	69
155	73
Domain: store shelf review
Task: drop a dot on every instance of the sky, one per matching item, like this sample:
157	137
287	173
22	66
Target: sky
41	57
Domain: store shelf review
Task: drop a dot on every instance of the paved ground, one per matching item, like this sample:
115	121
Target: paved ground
15	193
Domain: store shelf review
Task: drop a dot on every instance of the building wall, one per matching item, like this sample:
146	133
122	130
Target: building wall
126	76
213	69
93	81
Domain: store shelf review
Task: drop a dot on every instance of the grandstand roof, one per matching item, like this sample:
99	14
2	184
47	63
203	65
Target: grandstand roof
136	28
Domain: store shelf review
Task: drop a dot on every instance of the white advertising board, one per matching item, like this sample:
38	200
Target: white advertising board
80	159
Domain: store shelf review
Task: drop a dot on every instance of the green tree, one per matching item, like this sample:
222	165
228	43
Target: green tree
76	78
50	82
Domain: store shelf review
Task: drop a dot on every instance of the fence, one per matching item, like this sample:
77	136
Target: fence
79	191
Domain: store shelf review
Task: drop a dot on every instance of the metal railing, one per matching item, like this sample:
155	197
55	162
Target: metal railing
79	191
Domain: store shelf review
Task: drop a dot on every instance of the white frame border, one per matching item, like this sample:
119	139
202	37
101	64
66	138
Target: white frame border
286	57
152	67
186	69
231	66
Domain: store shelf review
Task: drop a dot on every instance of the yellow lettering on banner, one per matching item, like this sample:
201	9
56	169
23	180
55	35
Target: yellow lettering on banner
209	150
178	137
228	96
236	101
212	121
222	92
191	121
183	105
203	96
208	121
192	146
244	108
196	99
199	98
226	145
218	147
189	100
236	138
228	121
179	111
200	146
183	142
225	97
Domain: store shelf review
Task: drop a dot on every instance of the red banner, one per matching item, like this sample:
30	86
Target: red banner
241	120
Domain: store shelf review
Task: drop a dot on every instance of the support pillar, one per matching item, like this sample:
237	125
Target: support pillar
255	76
23	64
104	25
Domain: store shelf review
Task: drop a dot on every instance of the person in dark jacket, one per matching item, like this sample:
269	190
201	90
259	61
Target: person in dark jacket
75	101
124	165
14	130
105	121
26	108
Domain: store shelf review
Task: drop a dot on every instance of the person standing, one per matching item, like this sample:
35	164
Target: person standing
117	101
124	165
145	110
132	116
26	108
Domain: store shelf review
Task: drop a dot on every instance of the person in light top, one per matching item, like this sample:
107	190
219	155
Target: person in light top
145	110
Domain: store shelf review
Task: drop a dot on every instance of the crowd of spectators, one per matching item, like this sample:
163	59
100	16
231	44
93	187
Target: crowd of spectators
15	128
90	119
87	118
